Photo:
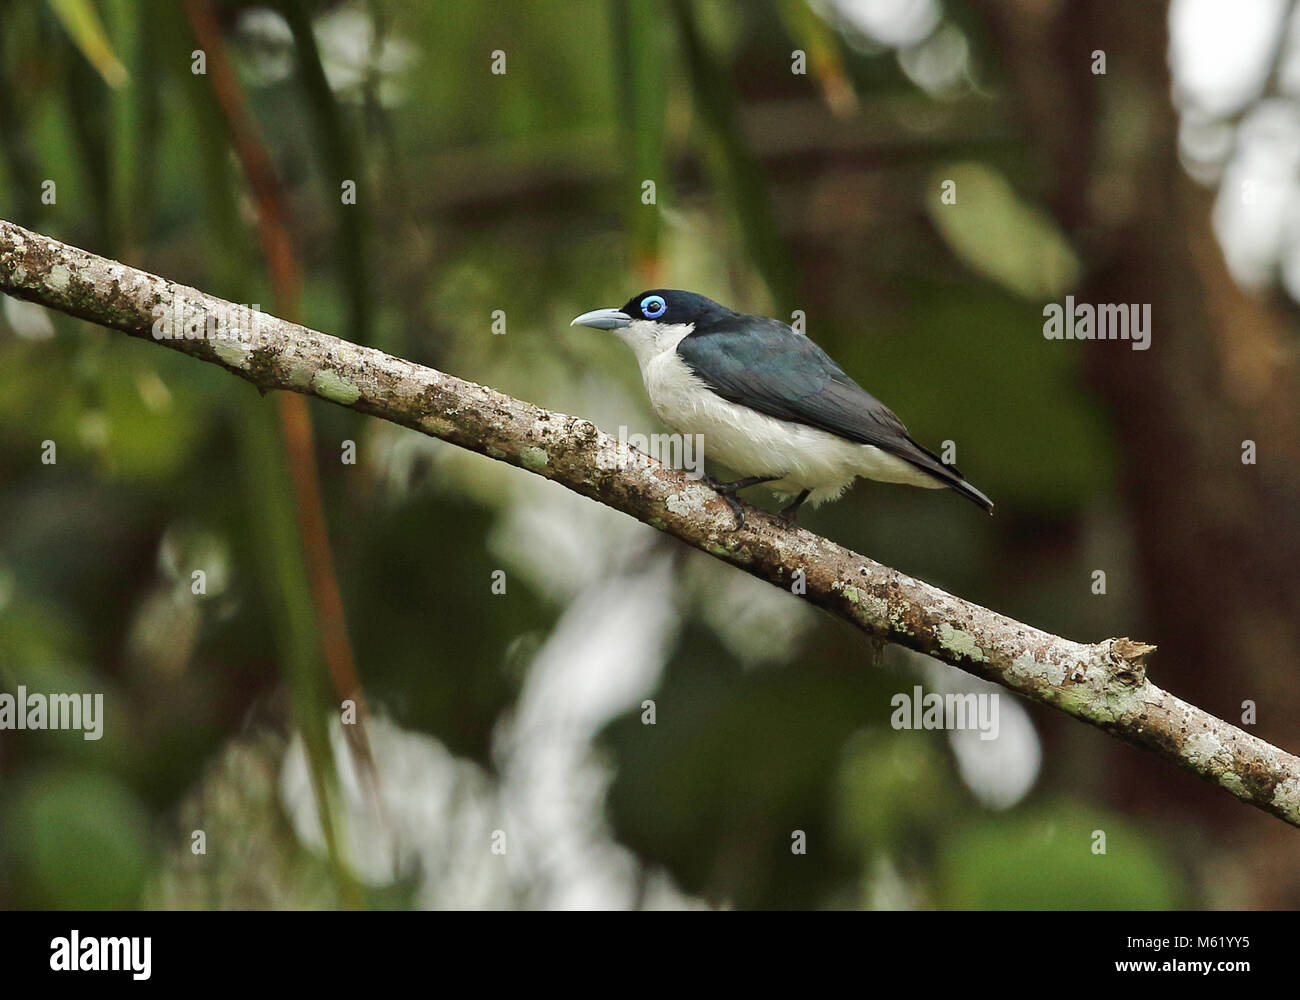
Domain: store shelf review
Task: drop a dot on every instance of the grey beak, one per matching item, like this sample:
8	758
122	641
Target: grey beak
603	319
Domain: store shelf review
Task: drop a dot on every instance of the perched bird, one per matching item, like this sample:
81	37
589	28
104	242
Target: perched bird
768	403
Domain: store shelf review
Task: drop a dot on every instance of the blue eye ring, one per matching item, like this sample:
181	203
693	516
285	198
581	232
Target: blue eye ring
653	306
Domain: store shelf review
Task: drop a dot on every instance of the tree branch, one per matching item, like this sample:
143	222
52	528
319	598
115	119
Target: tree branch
1102	683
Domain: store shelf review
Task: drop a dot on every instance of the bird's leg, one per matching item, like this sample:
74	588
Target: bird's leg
729	490
739	484
791	511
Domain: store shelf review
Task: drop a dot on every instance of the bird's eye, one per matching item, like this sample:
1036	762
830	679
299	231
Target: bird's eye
653	306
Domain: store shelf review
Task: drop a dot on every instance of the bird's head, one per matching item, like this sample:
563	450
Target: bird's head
653	312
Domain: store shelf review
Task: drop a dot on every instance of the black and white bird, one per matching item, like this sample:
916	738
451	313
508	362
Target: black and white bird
768	403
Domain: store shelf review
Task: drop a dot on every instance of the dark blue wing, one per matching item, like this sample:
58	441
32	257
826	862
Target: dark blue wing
763	364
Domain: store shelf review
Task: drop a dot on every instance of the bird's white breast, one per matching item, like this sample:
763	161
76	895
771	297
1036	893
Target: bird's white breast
746	441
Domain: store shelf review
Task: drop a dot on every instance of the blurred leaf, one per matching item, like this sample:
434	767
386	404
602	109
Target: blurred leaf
893	788
1043	860
822	48
136	116
82	22
640	57
998	235
150	432
80	840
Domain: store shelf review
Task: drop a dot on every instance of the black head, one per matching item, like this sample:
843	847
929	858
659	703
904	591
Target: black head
669	306
672	306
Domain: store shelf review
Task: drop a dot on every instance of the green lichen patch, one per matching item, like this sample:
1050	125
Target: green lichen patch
334	387
534	459
1234	784
296	372
961	643
232	352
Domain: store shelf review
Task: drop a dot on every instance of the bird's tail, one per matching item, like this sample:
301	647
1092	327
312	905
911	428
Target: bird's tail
971	493
949	476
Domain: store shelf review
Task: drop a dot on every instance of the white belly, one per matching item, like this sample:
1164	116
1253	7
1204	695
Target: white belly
753	444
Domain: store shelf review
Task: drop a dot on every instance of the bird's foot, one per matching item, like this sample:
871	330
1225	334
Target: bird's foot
729	490
738	484
737	508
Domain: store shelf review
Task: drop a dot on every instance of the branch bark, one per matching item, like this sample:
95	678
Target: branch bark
1103	683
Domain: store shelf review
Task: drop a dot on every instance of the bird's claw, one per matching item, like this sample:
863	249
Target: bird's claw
728	493
737	508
